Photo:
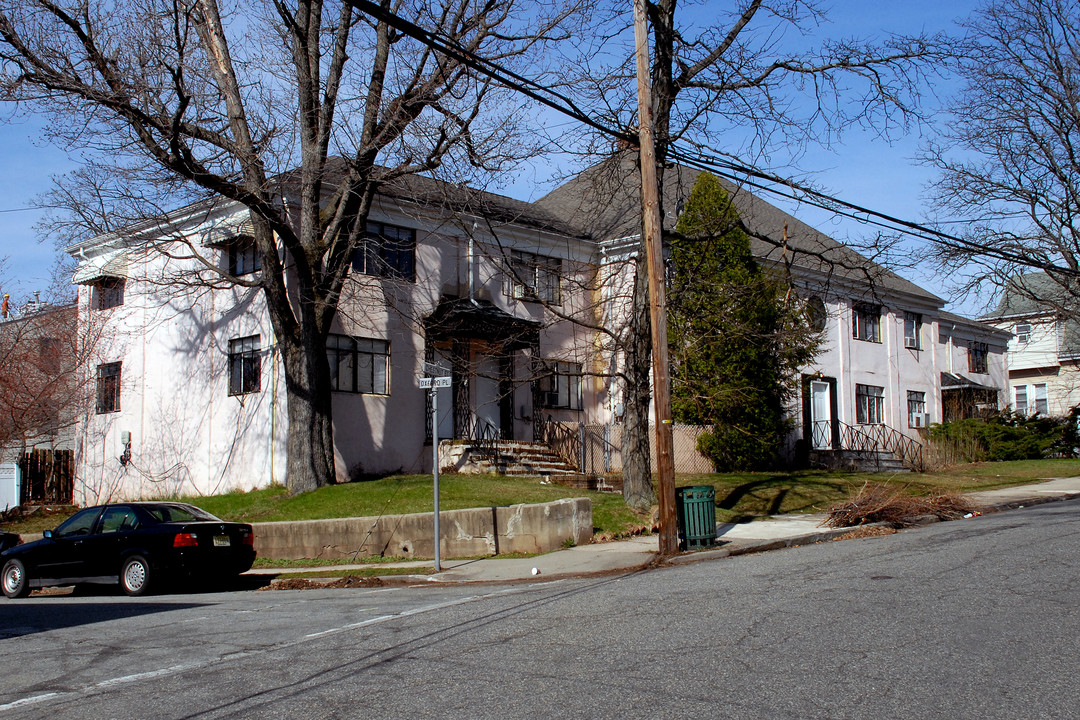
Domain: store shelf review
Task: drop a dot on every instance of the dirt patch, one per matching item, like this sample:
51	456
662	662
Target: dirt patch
865	532
349	581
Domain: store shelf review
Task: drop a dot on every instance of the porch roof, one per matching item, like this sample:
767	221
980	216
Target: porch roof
949	381
480	319
107	265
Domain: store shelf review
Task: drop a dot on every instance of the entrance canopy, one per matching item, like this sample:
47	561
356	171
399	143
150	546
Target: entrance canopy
460	318
962	397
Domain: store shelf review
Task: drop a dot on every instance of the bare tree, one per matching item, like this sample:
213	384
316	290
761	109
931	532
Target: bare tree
1008	155
298	111
44	359
737	78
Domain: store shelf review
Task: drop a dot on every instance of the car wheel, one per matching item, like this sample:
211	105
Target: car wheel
14	579
135	576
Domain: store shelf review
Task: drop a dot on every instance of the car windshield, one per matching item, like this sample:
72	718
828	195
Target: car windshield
175	512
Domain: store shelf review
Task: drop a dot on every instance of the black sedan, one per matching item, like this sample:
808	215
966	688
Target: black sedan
138	545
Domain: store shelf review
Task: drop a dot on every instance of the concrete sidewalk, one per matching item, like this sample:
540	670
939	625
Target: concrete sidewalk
636	553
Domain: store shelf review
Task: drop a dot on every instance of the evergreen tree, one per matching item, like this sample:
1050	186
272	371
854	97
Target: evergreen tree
736	332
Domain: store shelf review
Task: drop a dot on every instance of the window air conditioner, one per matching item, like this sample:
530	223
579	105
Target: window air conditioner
911	342
918	420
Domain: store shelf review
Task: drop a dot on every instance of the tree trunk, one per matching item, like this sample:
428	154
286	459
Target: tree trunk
637	474
310	442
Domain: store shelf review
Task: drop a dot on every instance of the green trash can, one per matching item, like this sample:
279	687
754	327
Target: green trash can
695	514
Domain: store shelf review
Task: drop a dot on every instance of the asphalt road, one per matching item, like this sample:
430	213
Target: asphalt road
969	619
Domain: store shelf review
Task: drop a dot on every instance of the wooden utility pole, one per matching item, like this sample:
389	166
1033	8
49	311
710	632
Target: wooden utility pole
650	198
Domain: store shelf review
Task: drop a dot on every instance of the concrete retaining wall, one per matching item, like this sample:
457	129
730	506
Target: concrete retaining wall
480	531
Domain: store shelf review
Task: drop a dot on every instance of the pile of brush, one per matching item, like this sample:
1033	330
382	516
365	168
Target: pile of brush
881	503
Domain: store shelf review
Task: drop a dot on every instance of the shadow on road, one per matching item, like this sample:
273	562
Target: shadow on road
26	617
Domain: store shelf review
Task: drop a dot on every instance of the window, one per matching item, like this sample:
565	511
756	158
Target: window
816	314
866	322
119	518
1040	406
913	330
560	387
110	292
1020	399
869	405
108	388
916	409
387	251
535	277
245	366
81	523
977	355
358	365
1023	333
244	257
178	513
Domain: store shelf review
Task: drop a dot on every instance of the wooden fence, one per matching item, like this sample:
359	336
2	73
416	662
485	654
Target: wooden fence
48	477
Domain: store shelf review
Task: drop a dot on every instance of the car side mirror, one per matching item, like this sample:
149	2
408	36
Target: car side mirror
47	533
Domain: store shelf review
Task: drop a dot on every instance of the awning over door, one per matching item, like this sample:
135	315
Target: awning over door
463	318
107	265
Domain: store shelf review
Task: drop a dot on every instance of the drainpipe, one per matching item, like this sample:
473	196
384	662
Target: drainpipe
469	265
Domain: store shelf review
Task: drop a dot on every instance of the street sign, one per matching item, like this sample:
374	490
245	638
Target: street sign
441	382
426	383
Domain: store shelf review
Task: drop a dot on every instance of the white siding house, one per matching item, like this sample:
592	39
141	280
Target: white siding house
1044	351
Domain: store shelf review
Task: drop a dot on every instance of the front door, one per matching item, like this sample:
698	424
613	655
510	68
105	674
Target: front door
821	415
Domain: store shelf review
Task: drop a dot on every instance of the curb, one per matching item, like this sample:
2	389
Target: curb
749	547
731	548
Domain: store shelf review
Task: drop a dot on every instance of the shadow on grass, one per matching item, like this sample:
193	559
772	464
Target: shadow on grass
779	494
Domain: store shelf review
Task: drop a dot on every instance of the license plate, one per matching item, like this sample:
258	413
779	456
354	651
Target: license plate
221	541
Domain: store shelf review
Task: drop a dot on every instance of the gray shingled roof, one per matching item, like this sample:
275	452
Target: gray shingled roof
604	203
1037	293
432	193
1034	293
974	325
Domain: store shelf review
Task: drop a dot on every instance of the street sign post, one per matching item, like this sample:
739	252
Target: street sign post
432	385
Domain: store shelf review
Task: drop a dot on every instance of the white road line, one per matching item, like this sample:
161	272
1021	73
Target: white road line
143	676
350	626
26	701
175	669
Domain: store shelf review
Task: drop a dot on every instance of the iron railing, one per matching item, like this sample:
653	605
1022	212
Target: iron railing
870	439
563	438
484	438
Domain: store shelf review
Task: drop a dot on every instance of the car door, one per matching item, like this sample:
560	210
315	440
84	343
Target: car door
104	547
64	556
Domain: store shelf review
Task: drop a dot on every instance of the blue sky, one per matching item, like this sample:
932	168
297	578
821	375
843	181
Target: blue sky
861	169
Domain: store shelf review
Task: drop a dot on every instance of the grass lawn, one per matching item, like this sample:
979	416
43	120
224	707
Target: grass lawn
402	494
743	496
740	497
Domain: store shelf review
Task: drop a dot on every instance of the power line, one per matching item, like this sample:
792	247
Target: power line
737	172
